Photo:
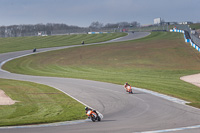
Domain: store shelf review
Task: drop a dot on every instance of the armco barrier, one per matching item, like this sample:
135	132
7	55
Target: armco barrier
187	39
193	37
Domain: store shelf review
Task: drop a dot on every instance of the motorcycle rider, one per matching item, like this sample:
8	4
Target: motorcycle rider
126	85
88	109
34	50
82	42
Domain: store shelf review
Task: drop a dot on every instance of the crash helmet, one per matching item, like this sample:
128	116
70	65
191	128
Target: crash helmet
86	108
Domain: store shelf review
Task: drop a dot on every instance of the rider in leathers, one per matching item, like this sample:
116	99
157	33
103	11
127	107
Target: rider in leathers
125	86
87	109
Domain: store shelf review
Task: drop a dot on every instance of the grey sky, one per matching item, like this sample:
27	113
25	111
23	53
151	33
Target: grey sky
84	12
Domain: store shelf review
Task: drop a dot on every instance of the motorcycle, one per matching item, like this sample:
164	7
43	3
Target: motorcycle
93	116
129	90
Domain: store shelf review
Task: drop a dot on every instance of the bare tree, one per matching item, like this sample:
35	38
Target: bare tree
96	25
54	28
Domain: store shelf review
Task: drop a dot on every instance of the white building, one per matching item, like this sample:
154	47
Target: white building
157	20
186	22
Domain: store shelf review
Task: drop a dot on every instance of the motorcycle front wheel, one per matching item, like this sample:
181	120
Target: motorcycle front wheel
93	119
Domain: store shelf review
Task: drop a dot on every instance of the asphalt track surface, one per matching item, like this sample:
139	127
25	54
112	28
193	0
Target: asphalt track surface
123	113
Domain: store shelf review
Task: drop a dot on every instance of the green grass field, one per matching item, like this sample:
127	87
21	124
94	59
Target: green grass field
155	62
195	26
40	103
11	44
37	104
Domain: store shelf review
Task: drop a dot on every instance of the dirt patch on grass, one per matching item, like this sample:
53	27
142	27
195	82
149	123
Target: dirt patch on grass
193	79
5	100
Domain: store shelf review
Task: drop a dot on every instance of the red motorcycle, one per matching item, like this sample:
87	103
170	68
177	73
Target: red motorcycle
128	89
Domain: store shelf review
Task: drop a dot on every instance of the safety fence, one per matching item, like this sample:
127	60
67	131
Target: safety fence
187	38
194	37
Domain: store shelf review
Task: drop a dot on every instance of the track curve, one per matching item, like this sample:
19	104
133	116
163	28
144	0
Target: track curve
122	112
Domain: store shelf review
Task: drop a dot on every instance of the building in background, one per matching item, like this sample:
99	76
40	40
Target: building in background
186	22
157	21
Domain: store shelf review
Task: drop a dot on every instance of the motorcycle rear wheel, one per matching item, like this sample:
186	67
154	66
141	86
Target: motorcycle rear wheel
98	118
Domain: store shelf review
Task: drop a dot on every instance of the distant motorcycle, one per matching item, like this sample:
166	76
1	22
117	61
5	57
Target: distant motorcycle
127	87
129	90
93	115
34	50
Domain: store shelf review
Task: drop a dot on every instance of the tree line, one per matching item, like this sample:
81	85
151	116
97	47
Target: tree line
56	29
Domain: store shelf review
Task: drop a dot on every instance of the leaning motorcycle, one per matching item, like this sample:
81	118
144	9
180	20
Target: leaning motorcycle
93	116
129	90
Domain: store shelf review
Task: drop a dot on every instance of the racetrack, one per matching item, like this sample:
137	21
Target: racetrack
123	113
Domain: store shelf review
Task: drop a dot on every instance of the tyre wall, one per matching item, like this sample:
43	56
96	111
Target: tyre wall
187	38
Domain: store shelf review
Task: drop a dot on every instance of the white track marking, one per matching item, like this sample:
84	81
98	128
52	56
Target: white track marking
173	99
171	130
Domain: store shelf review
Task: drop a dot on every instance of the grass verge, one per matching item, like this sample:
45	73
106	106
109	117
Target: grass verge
11	44
155	62
38	104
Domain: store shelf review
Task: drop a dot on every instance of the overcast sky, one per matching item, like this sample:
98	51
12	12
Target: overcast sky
84	12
